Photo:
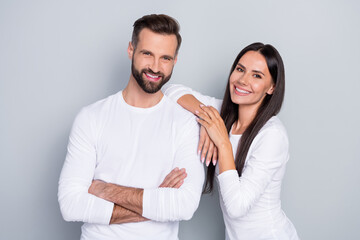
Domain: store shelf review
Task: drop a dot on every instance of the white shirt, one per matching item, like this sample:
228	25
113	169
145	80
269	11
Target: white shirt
251	203
136	147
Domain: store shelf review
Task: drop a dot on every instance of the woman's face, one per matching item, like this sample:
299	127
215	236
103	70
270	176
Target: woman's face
251	80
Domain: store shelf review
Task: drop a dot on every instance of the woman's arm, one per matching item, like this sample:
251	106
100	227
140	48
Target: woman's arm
191	101
210	118
266	158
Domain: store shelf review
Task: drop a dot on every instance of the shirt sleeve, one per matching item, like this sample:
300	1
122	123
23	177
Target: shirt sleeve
76	204
270	153
176	91
170	204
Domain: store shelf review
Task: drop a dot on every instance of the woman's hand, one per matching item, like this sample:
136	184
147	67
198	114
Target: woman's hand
214	125
206	147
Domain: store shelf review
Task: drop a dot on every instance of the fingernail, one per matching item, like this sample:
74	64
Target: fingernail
202	159
201	105
207	163
198	153
196	111
214	162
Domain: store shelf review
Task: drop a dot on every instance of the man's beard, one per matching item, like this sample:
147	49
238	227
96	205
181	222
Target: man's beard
146	85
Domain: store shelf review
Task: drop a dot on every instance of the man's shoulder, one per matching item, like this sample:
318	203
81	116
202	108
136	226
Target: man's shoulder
102	104
180	113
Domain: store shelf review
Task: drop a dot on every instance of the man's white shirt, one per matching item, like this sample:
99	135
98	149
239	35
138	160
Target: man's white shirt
134	147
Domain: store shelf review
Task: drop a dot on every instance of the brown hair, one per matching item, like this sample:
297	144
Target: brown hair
269	107
158	23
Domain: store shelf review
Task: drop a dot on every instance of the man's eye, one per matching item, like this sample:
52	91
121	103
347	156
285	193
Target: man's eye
240	69
167	58
146	53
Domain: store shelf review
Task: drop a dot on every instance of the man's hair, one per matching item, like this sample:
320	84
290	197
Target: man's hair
157	23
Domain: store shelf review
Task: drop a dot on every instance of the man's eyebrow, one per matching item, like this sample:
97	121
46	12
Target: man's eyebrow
145	51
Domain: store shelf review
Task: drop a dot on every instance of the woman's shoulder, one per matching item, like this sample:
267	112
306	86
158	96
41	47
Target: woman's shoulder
273	129
272	139
274	123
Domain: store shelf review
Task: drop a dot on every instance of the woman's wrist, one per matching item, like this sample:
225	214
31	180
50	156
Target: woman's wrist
226	157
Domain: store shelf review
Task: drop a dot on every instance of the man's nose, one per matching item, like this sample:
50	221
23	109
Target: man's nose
155	66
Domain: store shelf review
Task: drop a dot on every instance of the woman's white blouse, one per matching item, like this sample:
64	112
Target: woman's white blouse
251	203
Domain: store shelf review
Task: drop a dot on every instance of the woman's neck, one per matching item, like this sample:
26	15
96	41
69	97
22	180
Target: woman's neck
246	115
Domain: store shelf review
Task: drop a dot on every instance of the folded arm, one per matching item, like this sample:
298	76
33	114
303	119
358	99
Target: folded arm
128	200
176	198
76	203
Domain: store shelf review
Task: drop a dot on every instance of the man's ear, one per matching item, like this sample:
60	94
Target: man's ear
130	50
271	90
175	60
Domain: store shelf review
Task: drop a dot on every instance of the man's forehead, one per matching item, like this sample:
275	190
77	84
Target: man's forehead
150	39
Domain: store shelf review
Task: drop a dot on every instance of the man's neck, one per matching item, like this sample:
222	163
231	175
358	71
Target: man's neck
135	96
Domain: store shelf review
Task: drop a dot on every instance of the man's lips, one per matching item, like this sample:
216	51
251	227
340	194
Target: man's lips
152	77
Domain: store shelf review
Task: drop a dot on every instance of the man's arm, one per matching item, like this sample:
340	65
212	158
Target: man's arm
164	204
128	200
123	215
76	204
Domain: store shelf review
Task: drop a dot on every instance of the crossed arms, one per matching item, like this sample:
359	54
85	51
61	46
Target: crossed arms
98	202
128	204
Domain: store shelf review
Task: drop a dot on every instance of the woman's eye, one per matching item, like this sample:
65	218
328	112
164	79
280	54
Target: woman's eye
240	69
257	76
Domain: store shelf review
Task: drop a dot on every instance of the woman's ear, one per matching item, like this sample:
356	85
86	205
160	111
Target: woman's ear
271	90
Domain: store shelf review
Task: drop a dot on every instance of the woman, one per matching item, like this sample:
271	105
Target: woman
250	180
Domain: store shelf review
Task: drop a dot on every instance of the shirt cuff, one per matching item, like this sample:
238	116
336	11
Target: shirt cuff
102	212
149	203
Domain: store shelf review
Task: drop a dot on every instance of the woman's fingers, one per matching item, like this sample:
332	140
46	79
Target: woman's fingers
204	116
203	122
203	136
211	112
205	149
209	153
215	155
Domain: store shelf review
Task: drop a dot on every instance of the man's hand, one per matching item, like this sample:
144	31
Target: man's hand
174	179
207	148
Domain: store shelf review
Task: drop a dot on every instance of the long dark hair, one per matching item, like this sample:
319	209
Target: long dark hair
269	107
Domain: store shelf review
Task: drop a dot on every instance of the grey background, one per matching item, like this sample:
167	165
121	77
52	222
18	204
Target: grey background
57	56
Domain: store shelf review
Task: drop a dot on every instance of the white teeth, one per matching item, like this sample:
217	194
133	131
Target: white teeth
152	76
242	91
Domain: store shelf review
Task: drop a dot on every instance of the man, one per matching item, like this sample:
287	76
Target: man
121	149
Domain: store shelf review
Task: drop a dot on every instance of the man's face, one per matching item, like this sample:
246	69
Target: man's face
153	59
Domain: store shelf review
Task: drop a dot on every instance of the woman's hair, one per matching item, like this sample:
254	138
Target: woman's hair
269	107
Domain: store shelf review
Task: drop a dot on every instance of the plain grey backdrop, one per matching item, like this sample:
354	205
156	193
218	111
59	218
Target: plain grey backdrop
58	56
